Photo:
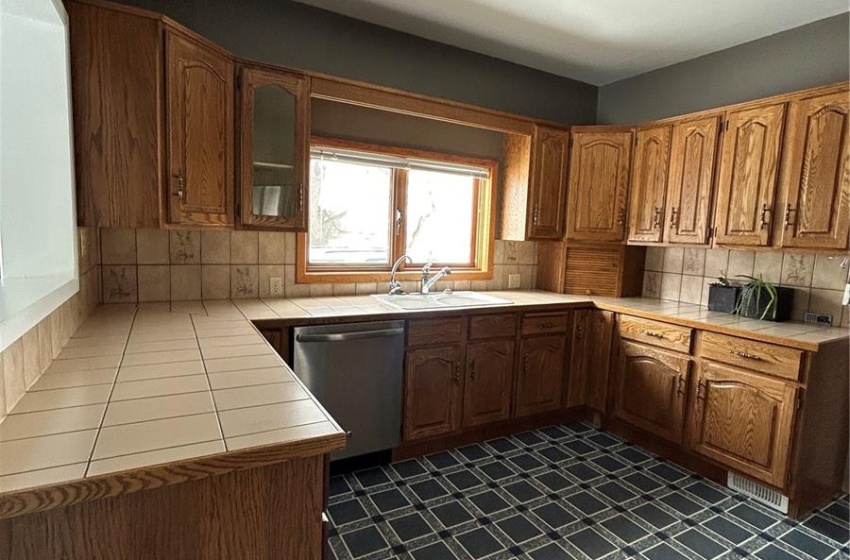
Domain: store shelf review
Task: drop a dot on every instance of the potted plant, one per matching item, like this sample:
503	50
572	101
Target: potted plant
722	295
762	300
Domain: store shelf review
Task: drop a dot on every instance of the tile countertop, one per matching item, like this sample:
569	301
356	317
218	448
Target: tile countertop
157	384
141	387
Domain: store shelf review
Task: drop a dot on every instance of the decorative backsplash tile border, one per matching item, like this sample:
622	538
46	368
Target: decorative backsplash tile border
23	362
150	265
684	274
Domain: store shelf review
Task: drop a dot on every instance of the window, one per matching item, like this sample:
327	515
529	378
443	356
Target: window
369	205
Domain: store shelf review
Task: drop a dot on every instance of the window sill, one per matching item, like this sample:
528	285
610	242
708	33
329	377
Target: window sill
342	277
24	302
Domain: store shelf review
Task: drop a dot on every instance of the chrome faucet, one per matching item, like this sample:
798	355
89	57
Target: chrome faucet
395	285
428	281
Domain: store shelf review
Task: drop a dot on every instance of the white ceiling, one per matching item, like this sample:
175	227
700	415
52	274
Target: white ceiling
595	41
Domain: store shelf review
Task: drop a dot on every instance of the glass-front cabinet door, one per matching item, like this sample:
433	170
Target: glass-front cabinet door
274	135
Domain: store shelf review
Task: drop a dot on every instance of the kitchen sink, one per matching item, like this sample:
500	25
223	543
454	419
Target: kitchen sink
440	300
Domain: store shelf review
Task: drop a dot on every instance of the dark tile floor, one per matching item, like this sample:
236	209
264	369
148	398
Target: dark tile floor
559	493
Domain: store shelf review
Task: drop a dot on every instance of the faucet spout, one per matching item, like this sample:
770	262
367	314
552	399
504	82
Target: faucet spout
395	285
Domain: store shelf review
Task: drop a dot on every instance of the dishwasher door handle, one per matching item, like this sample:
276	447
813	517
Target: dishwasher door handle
341	337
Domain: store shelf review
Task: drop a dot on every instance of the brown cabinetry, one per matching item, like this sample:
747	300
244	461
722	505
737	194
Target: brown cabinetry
649	183
273	139
590	356
548	182
489	377
432	393
743	420
541	374
749	170
199	123
651	387
816	172
692	166
600	161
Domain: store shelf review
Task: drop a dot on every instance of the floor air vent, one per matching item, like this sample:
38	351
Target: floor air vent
758	492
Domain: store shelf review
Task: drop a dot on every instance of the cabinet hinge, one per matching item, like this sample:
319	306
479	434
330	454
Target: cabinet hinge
726	125
238	210
239	81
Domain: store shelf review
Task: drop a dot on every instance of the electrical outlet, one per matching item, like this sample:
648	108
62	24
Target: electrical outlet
818	319
513	281
276	286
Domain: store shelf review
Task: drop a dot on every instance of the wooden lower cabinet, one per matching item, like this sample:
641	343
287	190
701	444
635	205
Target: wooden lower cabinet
590	356
540	375
489	377
651	387
433	389
743	420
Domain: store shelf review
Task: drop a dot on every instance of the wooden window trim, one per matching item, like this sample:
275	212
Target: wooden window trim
483	221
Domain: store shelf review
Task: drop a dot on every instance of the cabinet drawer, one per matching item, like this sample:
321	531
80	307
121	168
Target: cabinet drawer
492	326
425	332
758	356
539	323
672	337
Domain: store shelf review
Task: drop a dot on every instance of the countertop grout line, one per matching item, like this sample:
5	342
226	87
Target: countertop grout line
207	375
109	398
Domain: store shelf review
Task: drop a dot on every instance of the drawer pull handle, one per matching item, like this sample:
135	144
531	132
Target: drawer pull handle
457	372
746	355
547	325
653	334
472	371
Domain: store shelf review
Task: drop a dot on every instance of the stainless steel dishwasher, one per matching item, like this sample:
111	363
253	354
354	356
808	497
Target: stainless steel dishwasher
356	372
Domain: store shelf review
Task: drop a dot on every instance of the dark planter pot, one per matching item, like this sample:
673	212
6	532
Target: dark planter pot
723	298
780	312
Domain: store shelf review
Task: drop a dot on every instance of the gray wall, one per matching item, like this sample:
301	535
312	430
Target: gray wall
807	56
295	35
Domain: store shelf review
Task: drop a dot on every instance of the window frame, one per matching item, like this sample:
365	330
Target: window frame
483	221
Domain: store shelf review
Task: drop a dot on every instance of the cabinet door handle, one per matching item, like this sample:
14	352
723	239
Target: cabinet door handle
746	355
472	371
700	391
457	372
674	216
621	217
656	219
764	216
181	185
525	363
579	332
653	334
300	197
680	386
788	211
535	215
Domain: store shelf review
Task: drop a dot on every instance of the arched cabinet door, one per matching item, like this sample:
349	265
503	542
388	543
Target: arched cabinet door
649	183
489	377
200	129
816	173
433	389
651	387
600	163
743	420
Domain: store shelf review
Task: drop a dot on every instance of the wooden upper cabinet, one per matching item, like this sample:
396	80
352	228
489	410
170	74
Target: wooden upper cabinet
200	93
274	154
692	165
743	420
651	387
548	182
117	80
749	170
598	186
489	377
432	391
649	184
816	173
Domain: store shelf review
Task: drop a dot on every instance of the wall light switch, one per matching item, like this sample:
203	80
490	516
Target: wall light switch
513	281
276	286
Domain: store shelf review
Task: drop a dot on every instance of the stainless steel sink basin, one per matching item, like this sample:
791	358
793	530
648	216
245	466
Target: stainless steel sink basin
440	300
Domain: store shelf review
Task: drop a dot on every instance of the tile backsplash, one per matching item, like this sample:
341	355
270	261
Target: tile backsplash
150	265
684	274
22	363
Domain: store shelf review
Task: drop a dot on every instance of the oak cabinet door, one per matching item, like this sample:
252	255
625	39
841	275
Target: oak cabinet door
744	421
200	132
548	185
541	374
749	170
649	184
692	165
816	175
650	389
432	391
274	152
489	377
590	357
599	182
